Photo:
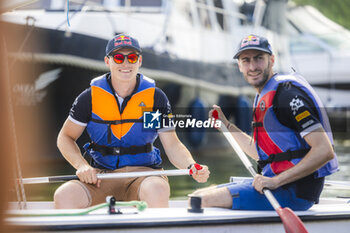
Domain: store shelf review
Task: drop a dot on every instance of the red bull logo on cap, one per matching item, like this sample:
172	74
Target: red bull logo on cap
250	40
122	40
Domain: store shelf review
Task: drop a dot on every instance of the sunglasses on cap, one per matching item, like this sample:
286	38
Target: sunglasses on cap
119	58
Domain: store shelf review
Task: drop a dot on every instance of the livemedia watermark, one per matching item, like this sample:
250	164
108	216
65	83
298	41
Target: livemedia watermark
157	120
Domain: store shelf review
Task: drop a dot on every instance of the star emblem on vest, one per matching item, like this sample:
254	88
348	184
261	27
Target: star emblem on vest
151	120
295	104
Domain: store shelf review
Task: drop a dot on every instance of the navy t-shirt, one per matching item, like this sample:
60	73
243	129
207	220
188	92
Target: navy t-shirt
296	110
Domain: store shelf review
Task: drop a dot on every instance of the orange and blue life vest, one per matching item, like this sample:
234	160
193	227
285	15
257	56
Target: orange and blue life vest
279	147
118	138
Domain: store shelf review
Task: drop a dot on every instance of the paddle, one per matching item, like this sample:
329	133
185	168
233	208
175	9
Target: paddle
337	184
330	184
291	222
53	179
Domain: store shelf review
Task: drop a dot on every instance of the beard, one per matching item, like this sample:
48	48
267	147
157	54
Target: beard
264	79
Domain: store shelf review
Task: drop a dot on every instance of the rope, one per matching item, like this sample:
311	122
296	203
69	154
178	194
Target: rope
140	205
67	9
21	196
159	75
24	42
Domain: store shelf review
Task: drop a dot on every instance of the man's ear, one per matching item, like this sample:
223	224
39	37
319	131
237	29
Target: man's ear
106	61
272	59
140	61
239	65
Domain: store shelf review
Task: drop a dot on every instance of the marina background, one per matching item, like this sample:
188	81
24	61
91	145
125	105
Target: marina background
39	156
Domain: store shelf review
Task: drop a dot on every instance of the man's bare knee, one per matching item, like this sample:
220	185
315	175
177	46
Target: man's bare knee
71	195
201	191
155	191
215	197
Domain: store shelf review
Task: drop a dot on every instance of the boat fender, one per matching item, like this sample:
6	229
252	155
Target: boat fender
196	205
172	91
240	107
197	111
244	114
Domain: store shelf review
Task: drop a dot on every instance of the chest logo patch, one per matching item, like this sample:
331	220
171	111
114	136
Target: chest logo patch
262	106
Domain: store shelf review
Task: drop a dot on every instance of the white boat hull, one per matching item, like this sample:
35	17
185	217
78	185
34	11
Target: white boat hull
325	217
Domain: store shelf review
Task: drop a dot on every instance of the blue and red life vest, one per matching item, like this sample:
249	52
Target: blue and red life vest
279	147
118	138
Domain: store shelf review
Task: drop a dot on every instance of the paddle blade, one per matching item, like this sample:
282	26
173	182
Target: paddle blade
291	222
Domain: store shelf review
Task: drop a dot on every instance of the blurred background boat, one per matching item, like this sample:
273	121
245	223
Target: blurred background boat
320	50
187	49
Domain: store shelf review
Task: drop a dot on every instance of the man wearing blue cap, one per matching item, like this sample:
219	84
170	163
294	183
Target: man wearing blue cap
112	110
293	142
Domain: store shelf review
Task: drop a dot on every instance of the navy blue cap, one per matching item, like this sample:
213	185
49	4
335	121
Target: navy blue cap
122	41
254	42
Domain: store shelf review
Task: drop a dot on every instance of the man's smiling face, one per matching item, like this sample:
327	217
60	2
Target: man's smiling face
256	67
125	71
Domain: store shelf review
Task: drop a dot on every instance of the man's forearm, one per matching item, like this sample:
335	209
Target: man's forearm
320	153
70	151
179	156
177	153
244	140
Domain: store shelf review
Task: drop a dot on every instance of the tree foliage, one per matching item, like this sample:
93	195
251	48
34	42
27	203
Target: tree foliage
336	10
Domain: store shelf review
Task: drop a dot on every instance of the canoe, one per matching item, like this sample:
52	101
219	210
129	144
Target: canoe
329	215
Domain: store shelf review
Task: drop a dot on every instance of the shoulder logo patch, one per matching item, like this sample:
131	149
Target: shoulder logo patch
295	104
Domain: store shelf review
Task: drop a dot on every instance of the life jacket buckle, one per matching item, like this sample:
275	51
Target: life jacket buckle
116	150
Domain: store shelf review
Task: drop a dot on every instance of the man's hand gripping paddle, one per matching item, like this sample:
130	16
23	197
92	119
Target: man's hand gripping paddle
291	222
197	166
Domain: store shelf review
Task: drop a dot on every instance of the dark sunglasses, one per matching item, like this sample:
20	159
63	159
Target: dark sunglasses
119	58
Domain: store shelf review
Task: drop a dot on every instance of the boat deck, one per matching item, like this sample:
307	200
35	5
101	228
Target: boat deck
327	216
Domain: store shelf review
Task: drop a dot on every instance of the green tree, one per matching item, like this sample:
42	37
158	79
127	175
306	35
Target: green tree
336	10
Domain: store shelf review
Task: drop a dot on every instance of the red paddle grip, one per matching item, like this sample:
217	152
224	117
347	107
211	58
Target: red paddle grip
215	114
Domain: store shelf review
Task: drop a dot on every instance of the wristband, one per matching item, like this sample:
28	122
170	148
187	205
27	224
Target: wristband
196	165
189	166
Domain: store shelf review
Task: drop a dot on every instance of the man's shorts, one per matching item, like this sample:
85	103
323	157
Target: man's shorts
126	189
245	197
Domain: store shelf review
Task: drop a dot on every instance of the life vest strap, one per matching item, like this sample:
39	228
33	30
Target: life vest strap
256	124
283	156
132	150
116	122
